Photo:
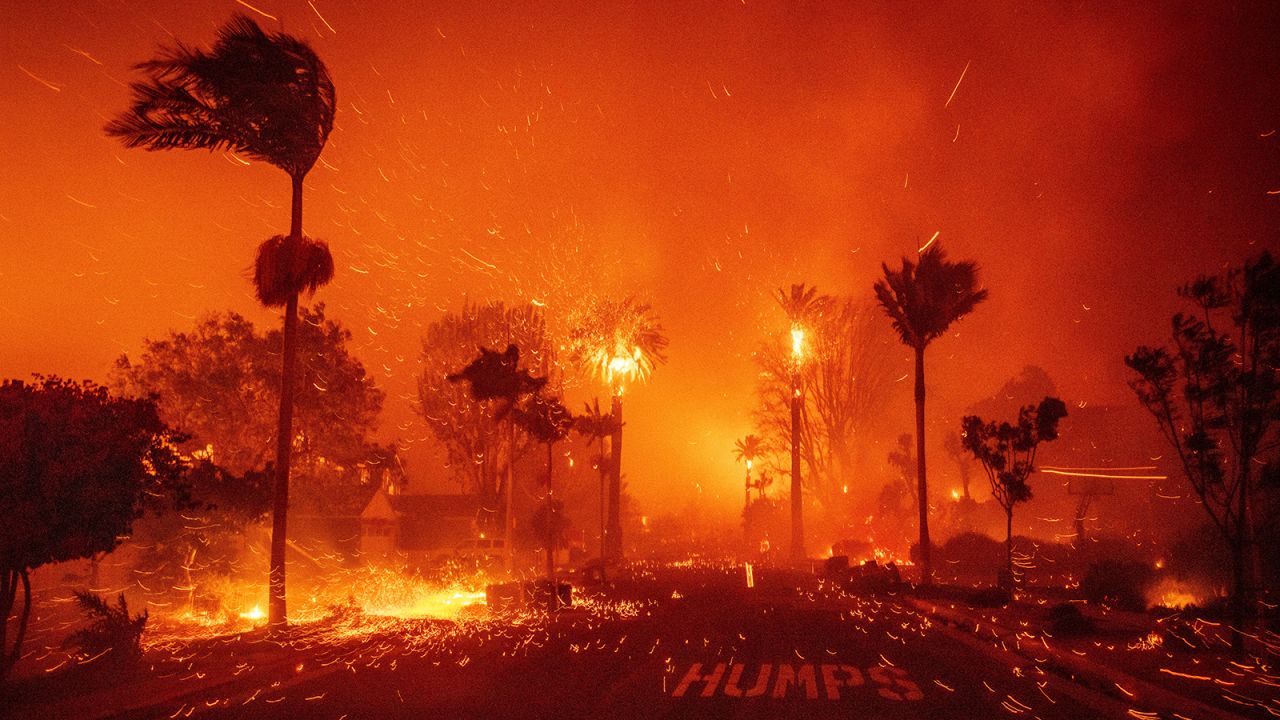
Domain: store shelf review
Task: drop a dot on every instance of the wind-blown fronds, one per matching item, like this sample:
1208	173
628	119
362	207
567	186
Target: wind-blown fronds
286	267
267	96
922	300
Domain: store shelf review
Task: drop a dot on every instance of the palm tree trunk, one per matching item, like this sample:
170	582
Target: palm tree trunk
922	497
276	611
797	500
614	533
551	531
509	521
602	511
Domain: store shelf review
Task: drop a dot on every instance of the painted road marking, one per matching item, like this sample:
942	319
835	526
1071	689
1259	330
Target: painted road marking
797	681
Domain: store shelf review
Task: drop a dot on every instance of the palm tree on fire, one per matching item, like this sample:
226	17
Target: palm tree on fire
270	98
619	341
922	300
746	450
802	304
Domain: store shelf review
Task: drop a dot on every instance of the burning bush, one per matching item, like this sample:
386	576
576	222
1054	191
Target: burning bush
113	631
1122	583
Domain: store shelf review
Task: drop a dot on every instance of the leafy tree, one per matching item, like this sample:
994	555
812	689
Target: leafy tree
270	97
620	342
77	467
1007	452
845	379
1215	396
922	300
470	432
220	380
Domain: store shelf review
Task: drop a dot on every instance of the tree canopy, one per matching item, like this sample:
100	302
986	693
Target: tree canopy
220	382
77	467
1215	396
469	431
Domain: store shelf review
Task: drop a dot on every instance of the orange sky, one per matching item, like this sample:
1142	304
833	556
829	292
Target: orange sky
697	153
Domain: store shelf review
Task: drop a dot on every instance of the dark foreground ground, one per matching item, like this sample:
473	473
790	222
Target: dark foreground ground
689	641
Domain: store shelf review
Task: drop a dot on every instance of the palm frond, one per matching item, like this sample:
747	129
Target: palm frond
267	96
923	299
286	267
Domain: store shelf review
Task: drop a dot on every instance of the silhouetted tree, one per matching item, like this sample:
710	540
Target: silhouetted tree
620	342
845	380
596	425
923	299
220	382
270	97
77	467
497	377
470	432
1216	398
1007	452
548	421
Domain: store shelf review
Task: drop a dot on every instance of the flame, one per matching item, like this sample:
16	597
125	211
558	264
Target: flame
797	341
255	614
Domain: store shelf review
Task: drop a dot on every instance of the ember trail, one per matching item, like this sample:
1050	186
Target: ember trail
947	336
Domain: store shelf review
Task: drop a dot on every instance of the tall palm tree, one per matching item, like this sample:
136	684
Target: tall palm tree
269	97
746	450
548	421
802	304
597	425
619	341
922	300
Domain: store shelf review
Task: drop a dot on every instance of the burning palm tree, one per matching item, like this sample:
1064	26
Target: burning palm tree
922	300
746	450
269	97
802	305
620	342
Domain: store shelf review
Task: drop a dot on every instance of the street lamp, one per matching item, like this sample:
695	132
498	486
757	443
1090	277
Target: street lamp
797	519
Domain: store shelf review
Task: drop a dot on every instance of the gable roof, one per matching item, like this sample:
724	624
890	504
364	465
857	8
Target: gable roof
435	506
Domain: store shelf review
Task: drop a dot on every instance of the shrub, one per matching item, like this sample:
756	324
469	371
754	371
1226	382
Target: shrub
989	598
1122	583
1065	620
112	630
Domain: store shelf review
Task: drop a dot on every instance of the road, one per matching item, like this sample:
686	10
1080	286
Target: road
691	642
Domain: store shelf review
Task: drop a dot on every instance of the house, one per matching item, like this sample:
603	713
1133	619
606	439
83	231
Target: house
423	525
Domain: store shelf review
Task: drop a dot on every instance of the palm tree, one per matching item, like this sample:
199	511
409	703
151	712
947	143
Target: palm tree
746	450
548	421
498	376
619	341
597	425
922	300
269	97
802	305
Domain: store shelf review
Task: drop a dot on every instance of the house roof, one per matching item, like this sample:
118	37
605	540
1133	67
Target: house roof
435	505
